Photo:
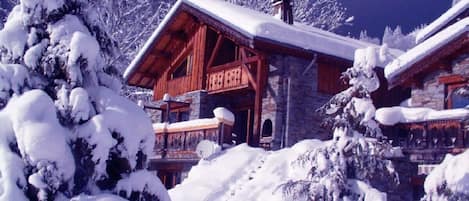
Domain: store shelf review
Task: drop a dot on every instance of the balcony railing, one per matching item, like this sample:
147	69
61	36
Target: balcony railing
179	140
429	141
230	76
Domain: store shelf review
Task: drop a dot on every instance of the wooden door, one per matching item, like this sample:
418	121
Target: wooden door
243	127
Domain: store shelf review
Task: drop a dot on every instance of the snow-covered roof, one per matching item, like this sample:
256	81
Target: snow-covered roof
394	115
443	20
260	26
426	48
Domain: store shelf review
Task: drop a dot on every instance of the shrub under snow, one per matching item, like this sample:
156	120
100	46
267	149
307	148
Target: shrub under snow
356	156
449	180
66	133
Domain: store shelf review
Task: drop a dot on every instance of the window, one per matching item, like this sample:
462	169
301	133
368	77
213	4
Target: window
267	128
177	115
183	69
456	99
453	83
227	53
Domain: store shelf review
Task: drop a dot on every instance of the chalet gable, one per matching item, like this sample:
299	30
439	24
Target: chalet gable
435	52
243	26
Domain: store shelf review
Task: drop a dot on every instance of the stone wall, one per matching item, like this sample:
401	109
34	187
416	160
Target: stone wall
198	106
432	93
290	101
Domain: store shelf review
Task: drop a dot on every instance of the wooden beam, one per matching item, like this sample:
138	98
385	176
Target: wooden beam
215	50
258	104
448	79
251	79
161	54
183	53
179	35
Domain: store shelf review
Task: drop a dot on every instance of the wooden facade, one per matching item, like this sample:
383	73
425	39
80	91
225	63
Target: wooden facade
197	52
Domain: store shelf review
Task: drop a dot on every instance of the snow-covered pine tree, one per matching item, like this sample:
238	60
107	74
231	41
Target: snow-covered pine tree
355	157
396	39
65	130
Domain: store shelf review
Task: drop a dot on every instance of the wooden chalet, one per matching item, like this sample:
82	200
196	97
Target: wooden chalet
271	74
436	70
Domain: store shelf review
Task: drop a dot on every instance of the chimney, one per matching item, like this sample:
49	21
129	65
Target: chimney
283	9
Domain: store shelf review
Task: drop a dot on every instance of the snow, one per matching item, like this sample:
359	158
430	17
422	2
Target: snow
12	77
113	116
218	178
366	192
443	20
207	148
49	5
79	103
256	25
10	177
42	142
246	173
13	36
140	180
33	54
364	107
102	197
222	115
426	48
452	174
82	46
63	30
397	114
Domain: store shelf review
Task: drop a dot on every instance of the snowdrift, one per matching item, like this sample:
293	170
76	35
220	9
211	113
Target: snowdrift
244	173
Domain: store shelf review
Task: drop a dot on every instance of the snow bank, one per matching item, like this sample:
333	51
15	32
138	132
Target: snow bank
246	173
425	48
452	174
394	115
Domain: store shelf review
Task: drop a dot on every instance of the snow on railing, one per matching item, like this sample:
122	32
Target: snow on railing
425	135
180	140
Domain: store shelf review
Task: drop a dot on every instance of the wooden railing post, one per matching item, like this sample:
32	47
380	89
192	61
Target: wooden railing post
220	134
184	145
165	144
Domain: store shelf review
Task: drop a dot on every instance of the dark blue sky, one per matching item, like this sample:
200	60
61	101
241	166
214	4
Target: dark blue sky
374	15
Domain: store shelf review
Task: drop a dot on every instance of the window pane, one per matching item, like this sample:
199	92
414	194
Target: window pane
185	116
173	117
458	101
181	70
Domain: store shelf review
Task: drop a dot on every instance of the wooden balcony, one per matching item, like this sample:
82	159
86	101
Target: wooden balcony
231	76
179	141
429	142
